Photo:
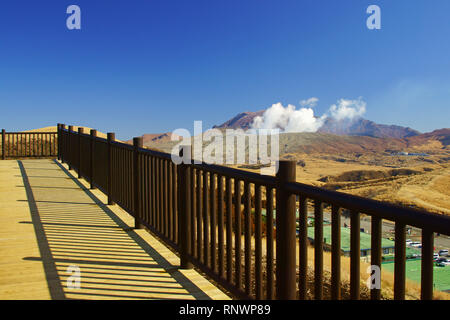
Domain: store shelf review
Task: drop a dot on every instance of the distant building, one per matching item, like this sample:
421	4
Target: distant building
387	246
403	153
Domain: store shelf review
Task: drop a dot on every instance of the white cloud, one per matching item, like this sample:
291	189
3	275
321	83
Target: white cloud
311	102
347	109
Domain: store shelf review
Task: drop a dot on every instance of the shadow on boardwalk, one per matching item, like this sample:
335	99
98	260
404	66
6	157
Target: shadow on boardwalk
74	228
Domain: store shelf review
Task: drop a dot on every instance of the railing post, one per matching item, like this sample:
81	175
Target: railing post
80	132
285	234
63	126
137	143
426	289
400	260
69	147
111	137
3	144
58	130
184	210
91	173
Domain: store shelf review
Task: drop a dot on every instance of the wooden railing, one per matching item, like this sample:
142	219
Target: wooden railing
212	216
28	144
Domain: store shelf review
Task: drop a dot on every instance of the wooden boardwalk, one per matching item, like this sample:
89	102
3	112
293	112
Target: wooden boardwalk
51	224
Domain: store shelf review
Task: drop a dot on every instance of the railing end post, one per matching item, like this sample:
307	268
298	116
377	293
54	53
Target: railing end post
184	209
3	144
70	149
62	126
111	136
138	142
80	132
93	133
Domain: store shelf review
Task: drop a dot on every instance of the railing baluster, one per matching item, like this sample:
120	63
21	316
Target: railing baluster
58	130
375	253
269	244
154	193
258	245
123	177
162	182
199	216
426	289
206	219
11	151
229	208
165	182
400	259
220	225
54	145
3	144
212	197
175	204
303	247
335	253
110	137
146	188
67	146
355	255
27	145
91	160
318	250
34	145
137	172
169	201
193	213
70	147
160	196
237	233
184	182
247	235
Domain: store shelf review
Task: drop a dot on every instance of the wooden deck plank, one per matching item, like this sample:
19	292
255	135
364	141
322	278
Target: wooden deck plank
49	221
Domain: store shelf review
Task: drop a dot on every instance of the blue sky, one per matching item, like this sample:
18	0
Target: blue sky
153	66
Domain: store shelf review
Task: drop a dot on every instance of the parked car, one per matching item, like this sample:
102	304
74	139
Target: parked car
408	241
443	263
443	253
435	256
416	244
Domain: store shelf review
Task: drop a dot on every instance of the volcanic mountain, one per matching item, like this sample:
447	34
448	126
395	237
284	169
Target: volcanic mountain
356	127
154	139
363	127
241	121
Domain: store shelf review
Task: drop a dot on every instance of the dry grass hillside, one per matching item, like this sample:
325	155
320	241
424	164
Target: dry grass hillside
75	128
377	168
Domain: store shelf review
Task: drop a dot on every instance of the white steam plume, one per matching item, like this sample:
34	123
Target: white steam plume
289	119
348	109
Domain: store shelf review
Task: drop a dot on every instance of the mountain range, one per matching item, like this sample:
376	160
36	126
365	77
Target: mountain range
359	135
356	127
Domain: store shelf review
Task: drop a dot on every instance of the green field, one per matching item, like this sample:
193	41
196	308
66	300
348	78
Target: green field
441	276
345	238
